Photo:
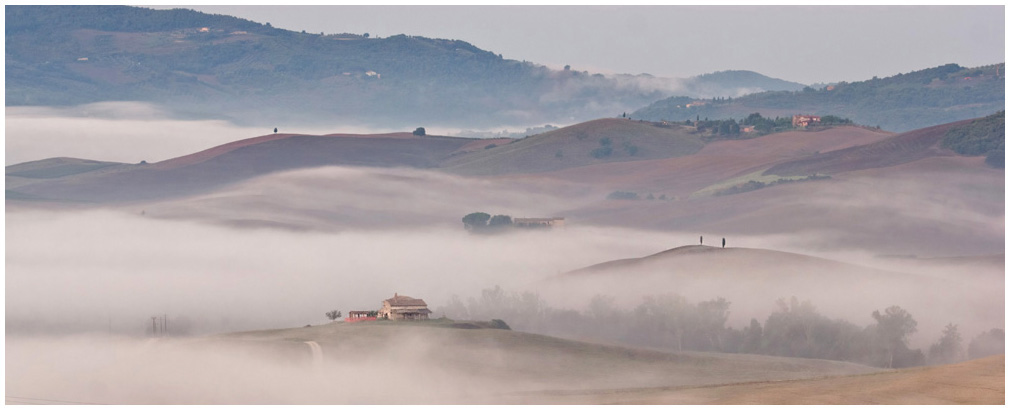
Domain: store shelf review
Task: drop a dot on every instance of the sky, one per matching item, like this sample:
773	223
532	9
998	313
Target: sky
806	44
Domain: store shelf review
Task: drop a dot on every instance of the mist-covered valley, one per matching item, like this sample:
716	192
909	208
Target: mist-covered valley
277	250
201	209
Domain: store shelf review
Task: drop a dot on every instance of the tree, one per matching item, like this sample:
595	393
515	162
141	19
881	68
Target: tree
500	220
948	348
893	328
475	220
333	314
419	131
986	344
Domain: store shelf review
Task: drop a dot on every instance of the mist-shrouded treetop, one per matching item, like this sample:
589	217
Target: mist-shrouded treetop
475	220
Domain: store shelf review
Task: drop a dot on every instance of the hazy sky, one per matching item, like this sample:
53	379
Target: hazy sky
806	44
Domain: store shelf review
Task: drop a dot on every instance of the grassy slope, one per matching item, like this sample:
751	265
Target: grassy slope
55	168
899	149
572	147
527	361
242	160
717	163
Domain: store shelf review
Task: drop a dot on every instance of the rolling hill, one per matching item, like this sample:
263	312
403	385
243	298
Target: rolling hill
751	279
437	362
593	142
899	149
898	103
506	365
229	163
754	186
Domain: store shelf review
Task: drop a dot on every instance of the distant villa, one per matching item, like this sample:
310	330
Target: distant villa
802	121
399	307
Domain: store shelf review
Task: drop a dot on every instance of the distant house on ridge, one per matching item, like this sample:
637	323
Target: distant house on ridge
404	308
802	121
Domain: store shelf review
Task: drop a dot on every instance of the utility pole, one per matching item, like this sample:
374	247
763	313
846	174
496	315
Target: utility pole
154	326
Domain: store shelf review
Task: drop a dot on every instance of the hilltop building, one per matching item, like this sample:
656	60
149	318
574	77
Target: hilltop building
360	316
538	222
802	121
404	308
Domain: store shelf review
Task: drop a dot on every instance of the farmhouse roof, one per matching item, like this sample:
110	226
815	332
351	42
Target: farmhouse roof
400	300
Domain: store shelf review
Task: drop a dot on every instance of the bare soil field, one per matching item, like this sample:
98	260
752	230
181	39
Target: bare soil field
896	150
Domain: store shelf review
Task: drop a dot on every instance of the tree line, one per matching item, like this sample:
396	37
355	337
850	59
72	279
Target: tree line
480	222
670	321
984	136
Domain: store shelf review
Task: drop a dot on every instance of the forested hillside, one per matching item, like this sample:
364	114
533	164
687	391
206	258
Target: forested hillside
899	103
984	136
213	65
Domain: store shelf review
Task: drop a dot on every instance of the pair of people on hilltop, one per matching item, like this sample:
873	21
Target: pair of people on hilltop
701	241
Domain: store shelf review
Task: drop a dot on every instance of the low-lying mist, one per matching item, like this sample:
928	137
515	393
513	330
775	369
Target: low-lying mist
130	132
127	132
95	369
95	270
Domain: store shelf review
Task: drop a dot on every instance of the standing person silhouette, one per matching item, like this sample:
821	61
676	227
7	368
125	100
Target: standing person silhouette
723	242
701	240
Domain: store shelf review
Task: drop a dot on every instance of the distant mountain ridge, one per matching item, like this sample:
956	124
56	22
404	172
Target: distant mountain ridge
898	103
201	64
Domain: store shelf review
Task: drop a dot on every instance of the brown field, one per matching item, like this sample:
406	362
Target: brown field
979	381
539	153
899	149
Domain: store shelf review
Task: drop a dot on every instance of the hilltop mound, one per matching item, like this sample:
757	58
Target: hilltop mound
753	279
56	167
714	260
591	142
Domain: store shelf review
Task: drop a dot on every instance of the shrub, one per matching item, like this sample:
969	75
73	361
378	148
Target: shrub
499	324
622	195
